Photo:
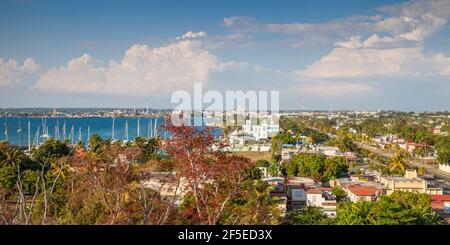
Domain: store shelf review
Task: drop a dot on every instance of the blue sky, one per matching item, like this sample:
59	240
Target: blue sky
346	54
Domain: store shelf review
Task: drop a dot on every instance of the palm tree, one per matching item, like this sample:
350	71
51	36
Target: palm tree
398	162
13	157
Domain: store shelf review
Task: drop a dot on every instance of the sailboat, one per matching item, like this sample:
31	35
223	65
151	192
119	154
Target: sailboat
6	131
19	132
80	138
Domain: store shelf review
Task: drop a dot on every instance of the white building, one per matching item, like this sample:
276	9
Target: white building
322	197
260	131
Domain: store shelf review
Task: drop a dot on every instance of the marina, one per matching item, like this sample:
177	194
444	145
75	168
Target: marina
28	132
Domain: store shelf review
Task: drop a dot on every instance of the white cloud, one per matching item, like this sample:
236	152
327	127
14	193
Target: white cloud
399	54
375	57
142	70
13	74
192	35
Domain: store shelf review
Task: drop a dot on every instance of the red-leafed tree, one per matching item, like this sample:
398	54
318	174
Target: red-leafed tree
209	175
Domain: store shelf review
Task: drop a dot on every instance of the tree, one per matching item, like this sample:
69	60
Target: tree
315	166
398	163
213	178
13	157
340	193
396	209
308	216
443	150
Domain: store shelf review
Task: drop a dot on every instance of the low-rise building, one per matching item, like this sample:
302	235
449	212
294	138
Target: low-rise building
358	192
296	191
441	205
323	198
410	182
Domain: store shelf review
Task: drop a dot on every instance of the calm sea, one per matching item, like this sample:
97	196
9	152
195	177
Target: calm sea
95	125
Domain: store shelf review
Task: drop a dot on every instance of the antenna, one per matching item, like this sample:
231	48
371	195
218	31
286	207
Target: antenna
147	105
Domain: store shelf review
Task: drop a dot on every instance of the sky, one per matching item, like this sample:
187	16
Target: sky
351	55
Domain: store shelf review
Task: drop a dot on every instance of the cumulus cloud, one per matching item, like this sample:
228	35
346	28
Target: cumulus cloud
376	56
397	54
142	70
13	74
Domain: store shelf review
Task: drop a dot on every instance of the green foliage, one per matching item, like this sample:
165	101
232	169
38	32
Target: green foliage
396	209
315	166
345	144
51	149
443	150
95	144
8	177
308	216
340	193
262	163
29	179
278	141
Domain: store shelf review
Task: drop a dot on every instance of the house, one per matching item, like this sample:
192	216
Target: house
410	182
277	192
323	198
296	191
441	205
410	146
329	151
358	192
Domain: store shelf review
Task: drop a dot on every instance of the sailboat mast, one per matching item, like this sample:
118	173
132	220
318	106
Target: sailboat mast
154	130
29	134
72	135
88	132
64	131
126	130
138	128
19	132
113	122
6	130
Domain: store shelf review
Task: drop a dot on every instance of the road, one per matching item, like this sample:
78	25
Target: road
441	178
